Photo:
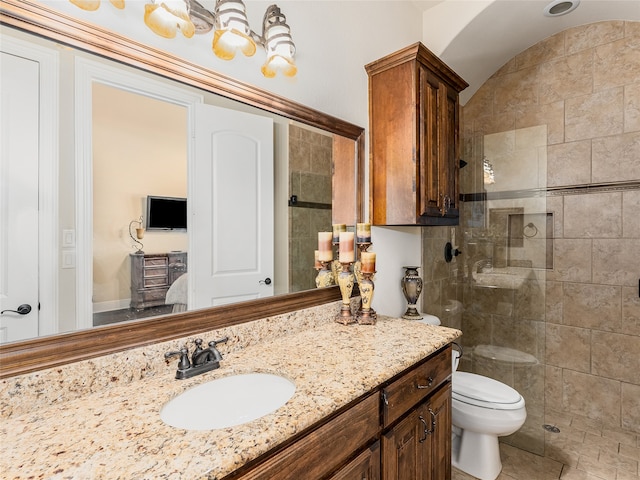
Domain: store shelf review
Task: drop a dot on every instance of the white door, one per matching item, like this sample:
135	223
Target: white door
231	256
18	197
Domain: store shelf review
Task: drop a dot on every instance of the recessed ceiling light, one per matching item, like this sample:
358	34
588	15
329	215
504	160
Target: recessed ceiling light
560	7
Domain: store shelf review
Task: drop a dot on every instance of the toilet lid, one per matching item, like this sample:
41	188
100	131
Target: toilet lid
485	392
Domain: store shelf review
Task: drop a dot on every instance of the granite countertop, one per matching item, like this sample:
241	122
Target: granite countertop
117	433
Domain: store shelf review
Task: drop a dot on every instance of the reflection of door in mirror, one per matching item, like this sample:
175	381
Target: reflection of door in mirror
140	148
27	163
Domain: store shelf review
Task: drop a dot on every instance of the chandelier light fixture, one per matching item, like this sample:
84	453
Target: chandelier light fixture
231	30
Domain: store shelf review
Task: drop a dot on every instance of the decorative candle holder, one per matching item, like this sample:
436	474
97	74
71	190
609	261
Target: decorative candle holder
325	277
411	287
366	315
345	281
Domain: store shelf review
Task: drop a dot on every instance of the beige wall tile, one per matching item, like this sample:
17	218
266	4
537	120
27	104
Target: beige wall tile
568	347
553	300
553	388
632	108
594	115
615	158
482	104
616	262
592	306
615	356
632	29
594	397
555	205
550	115
631	214
516	89
570	263
616	64
585	217
546	50
631	407
569	163
476	329
567	77
630	310
592	35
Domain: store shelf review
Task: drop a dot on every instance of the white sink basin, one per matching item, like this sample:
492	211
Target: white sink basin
227	401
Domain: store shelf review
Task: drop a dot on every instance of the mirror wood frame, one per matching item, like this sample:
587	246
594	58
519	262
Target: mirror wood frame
45	352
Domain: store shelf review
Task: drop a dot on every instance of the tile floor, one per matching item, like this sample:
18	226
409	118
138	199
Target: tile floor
583	450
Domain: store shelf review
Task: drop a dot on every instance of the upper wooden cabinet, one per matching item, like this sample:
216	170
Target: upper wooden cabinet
414	144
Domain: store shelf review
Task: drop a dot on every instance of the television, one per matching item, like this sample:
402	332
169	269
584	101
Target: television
166	213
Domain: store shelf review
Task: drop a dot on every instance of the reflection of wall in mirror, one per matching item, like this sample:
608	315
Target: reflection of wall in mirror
130	163
310	158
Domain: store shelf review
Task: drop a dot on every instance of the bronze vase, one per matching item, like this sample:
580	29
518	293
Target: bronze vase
411	287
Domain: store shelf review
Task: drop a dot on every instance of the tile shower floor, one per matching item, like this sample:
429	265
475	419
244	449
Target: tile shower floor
582	450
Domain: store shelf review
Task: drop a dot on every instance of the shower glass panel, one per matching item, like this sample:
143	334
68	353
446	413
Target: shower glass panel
507	244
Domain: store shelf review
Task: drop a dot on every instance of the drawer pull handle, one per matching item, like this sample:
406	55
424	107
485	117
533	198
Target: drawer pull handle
426	429
428	385
433	421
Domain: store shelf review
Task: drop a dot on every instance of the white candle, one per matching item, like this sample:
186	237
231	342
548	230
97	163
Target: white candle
325	251
347	253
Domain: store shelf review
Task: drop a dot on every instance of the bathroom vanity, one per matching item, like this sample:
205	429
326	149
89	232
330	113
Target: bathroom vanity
370	402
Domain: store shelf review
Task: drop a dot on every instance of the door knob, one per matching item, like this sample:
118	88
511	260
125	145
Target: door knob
22	309
266	281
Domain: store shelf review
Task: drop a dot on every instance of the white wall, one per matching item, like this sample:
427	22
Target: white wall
334	41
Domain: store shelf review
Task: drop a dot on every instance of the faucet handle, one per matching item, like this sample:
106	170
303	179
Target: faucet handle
184	362
213	343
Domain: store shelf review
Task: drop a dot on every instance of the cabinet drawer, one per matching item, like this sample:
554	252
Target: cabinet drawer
156	261
408	390
157	281
154	294
323	450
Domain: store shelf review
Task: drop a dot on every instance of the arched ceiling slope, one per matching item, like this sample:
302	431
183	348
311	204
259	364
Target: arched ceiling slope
477	37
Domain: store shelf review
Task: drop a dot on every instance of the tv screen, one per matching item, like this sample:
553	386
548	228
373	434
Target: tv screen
166	213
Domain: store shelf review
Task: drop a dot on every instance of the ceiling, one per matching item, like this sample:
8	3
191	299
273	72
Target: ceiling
477	37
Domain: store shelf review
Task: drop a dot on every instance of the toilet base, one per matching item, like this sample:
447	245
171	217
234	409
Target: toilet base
477	454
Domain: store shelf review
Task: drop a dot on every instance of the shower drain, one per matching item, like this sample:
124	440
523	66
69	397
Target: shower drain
551	428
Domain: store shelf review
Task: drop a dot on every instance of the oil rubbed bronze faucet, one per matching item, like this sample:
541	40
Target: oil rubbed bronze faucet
202	359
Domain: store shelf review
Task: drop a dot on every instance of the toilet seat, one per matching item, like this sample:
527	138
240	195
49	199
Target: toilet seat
485	392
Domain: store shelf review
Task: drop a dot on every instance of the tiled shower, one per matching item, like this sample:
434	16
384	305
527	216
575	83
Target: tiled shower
546	290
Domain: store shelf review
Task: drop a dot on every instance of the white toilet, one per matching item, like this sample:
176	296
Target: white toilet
483	409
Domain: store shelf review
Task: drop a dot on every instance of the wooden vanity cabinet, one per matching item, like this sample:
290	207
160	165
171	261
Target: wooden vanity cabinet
400	431
414	139
323	450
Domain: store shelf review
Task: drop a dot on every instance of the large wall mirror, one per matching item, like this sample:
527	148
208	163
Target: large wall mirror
93	229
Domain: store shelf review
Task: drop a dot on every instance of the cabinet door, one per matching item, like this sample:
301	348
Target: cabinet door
439	147
449	155
429	141
406	449
419	447
439	409
365	466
